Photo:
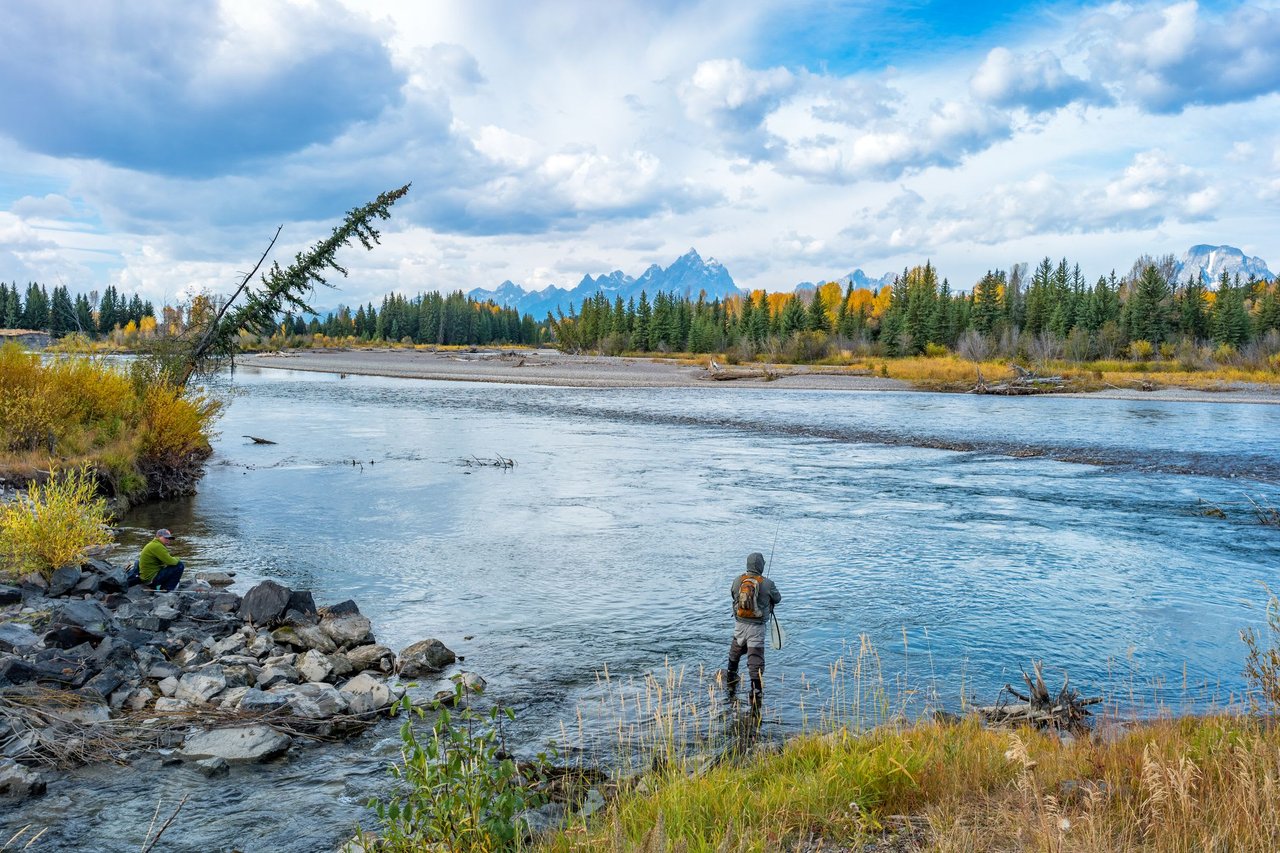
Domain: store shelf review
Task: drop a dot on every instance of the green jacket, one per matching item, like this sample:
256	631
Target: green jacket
154	557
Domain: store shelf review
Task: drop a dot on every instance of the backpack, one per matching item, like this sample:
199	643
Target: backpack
747	604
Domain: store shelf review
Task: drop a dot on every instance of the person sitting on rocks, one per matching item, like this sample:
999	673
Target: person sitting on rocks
157	568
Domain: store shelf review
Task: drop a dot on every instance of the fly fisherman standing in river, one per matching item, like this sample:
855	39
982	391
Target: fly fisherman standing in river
754	596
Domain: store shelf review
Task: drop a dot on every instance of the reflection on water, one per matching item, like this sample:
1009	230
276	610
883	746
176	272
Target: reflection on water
612	542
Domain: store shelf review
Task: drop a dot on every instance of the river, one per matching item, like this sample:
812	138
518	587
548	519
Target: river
963	536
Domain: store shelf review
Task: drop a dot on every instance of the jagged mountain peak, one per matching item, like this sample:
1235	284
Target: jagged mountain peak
1214	260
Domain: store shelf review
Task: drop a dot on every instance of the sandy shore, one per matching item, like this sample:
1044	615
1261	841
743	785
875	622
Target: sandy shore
549	367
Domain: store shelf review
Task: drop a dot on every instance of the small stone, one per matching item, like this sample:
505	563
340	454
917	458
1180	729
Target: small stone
63	580
230	698
140	699
87	614
424	657
471	682
17	638
216	578
164	669
228	646
255	700
216	766
314	666
165	703
168	686
343	608
341	666
17	782
302	602
313	701
15	671
373	656
365	694
275	675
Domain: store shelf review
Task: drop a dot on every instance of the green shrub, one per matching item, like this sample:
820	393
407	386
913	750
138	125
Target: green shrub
55	523
936	350
1141	350
461	791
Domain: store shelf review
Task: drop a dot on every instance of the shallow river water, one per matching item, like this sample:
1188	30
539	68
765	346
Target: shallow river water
962	536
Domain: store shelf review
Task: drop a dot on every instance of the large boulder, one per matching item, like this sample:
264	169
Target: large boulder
17	782
365	694
265	603
18	638
314	666
201	686
304	637
63	580
87	614
238	745
424	657
375	657
350	630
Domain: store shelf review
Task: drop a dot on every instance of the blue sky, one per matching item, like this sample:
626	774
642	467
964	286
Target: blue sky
156	145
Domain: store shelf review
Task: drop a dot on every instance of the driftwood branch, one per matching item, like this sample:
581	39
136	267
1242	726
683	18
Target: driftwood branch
1023	382
257	440
1040	708
151	843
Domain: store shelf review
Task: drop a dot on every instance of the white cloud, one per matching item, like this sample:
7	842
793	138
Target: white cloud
1036	82
1169	58
734	101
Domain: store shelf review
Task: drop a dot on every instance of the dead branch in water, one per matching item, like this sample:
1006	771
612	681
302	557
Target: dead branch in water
497	462
1023	383
257	440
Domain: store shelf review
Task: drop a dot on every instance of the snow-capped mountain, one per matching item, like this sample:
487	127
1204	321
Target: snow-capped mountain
1213	260
857	278
688	276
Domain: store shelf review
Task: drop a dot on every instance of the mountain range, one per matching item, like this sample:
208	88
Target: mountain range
690	275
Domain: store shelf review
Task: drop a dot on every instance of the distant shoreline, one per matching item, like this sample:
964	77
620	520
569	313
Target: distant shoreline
549	367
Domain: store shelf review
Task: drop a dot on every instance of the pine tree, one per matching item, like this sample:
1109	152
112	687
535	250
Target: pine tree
1149	308
816	317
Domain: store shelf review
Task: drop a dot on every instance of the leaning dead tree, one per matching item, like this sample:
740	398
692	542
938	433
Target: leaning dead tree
1022	382
1038	707
213	339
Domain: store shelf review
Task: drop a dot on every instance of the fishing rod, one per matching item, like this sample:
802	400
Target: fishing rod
778	638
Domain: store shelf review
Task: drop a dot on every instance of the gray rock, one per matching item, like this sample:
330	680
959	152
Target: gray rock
592	804
424	657
224	602
264	603
260	646
313	701
302	602
304	637
229	646
10	594
15	671
239	745
352	630
63	580
166	703
472	682
211	767
70	636
167	686
140	698
374	657
272	676
164	669
87	614
216	578
104	683
343	608
194	654
548	817
341	666
365	694
34	581
87	585
230	698
17	782
18	638
199	687
112	580
314	666
255	700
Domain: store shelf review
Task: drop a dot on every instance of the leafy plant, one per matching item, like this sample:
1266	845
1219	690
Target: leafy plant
55	523
462	791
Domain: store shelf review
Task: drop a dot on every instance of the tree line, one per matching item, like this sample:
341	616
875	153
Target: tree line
60	314
1049	312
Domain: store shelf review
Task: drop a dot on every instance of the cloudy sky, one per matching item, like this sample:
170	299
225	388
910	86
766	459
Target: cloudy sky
156	145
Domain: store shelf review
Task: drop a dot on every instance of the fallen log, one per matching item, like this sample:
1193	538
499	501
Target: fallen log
257	440
1038	707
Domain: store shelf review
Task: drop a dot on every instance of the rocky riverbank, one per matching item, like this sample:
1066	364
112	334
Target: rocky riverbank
93	670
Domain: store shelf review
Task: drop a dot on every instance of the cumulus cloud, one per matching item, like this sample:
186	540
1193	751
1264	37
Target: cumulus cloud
1166	59
50	206
734	101
951	131
193	88
1036	82
1152	190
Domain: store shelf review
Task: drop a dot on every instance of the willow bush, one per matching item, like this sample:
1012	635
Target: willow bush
52	524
